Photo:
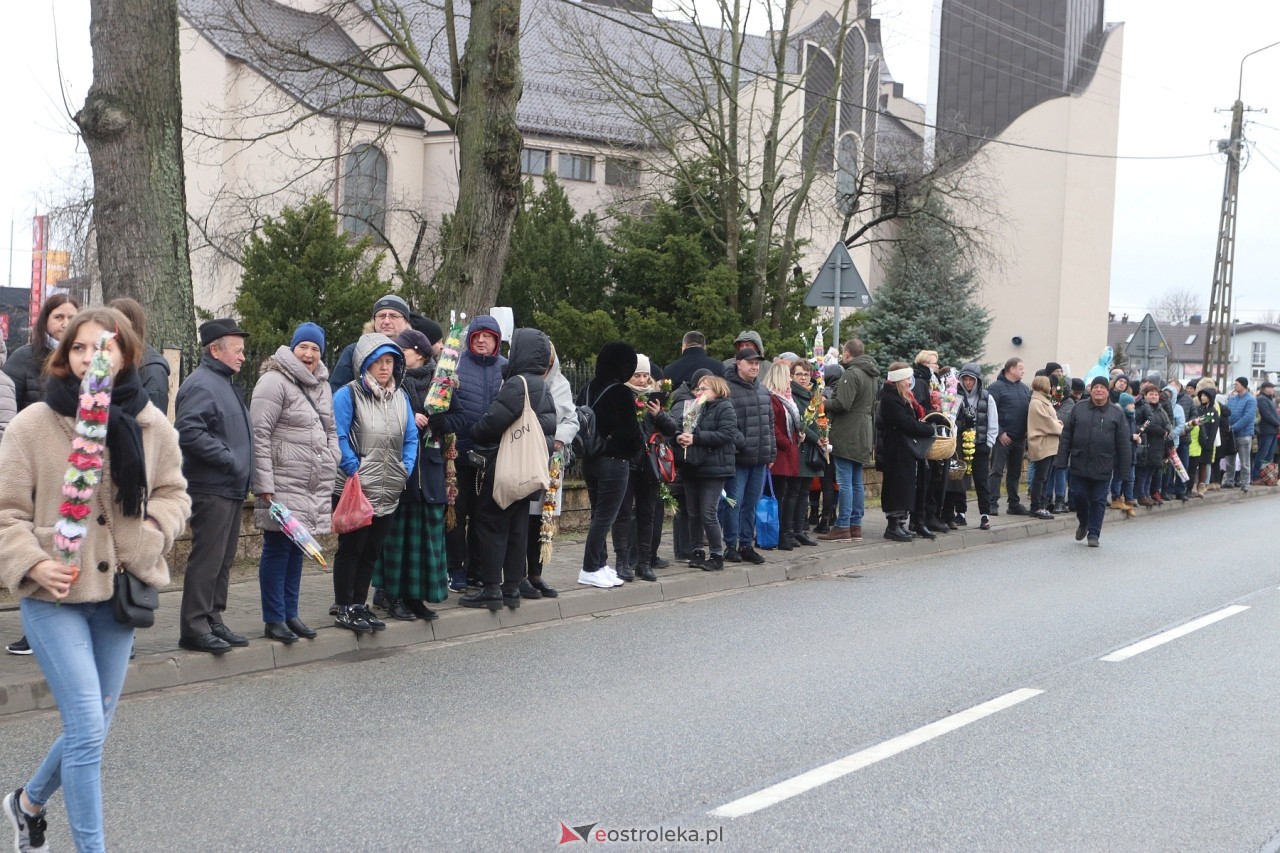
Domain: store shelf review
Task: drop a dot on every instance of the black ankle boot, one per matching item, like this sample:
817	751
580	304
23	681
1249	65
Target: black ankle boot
489	596
511	598
396	610
923	532
786	542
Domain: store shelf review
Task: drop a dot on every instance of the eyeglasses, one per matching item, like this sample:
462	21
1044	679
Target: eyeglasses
388	315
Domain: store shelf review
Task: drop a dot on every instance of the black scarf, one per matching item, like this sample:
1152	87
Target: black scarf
124	436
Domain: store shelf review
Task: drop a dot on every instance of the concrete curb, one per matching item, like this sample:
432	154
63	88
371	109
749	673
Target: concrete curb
21	694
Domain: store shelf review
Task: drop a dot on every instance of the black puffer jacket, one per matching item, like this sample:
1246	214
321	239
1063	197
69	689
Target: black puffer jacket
715	441
613	402
753	404
24	367
529	360
1155	425
1013	399
155	378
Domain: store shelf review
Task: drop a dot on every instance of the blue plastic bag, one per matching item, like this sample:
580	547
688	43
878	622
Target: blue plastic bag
767	527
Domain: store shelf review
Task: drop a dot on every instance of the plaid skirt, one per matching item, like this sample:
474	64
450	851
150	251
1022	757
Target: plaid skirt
413	566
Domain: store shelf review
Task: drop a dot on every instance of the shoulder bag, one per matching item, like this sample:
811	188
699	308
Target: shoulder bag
522	467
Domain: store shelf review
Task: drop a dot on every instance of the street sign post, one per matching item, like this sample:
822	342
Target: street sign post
837	283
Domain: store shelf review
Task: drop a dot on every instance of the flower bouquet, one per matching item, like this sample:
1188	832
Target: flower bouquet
449	449
692	412
824	428
297	532
665	386
445	381
968	446
84	464
548	531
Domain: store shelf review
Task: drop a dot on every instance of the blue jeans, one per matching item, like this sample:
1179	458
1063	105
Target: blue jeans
1059	483
606	479
279	576
739	521
1090	497
1266	449
84	655
852	494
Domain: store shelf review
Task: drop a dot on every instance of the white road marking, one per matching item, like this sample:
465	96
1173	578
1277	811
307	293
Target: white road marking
1173	633
784	790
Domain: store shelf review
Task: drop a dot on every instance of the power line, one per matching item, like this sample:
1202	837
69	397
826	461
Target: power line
837	102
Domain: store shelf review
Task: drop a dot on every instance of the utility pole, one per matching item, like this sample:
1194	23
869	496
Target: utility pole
1217	342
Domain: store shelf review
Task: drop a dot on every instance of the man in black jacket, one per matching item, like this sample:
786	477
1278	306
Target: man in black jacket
754	407
1094	446
693	357
217	460
1013	399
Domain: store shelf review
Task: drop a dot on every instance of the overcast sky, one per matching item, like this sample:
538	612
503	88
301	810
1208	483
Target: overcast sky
1181	63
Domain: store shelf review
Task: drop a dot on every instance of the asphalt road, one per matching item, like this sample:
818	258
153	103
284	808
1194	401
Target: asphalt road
675	716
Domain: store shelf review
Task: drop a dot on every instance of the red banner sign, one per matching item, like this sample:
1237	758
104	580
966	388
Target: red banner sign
37	267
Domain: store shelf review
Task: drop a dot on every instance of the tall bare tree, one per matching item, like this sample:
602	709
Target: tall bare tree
409	52
132	126
1178	305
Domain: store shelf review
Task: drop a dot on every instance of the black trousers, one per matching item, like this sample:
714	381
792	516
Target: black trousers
215	534
633	528
703	497
791	503
461	541
501	536
353	563
981	466
1006	461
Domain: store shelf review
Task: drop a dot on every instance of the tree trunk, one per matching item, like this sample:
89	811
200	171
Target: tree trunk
132	127
489	141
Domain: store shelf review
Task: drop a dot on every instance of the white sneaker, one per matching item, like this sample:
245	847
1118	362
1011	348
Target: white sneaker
597	578
612	574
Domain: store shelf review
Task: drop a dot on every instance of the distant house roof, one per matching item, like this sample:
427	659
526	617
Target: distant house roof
275	40
1185	340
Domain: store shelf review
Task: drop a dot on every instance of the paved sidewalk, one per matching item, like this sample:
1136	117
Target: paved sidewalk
160	663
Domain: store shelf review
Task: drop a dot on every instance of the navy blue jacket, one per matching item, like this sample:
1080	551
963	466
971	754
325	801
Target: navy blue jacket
479	378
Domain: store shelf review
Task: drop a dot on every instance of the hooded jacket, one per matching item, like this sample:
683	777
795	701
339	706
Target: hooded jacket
1179	416
850	409
1095	442
977	410
529	362
213	429
376	438
748	335
753	404
295	441
612	401
1012	399
155	378
479	378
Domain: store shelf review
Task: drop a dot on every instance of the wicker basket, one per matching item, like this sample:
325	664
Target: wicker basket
944	442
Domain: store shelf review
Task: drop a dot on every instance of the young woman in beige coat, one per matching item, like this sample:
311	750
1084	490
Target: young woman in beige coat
138	509
1043	429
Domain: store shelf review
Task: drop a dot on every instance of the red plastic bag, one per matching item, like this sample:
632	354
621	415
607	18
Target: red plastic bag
353	510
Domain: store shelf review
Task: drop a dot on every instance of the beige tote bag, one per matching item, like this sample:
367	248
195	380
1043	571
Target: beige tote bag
522	467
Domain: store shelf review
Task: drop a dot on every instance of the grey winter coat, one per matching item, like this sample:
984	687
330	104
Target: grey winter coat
753	404
8	402
295	442
377	437
213	431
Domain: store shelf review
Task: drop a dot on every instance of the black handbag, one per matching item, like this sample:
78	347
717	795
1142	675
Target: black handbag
662	462
920	445
133	601
812	457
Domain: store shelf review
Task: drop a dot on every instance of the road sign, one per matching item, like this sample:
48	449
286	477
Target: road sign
1147	350
838	284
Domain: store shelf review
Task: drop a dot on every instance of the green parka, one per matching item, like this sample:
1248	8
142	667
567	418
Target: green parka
850	410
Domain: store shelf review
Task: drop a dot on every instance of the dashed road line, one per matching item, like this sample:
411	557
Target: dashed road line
1173	634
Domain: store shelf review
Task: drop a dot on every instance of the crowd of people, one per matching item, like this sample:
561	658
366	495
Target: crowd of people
711	436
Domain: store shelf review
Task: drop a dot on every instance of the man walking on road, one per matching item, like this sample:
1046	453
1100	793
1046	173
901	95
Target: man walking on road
1094	447
217	460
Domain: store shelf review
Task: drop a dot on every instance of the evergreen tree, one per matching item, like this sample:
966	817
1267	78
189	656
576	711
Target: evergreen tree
928	299
555	256
298	267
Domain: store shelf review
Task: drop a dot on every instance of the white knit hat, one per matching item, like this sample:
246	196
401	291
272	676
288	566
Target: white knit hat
642	363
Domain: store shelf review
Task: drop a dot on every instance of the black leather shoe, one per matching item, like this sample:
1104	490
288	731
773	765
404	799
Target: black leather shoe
511	598
626	573
732	555
1081	530
210	643
369	617
421	610
380	600
660	563
529	591
937	526
396	610
489	597
541	586
786	542
805	539
897	534
923	532
751	556
222	632
279	631
1017	509
298	627
645	573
